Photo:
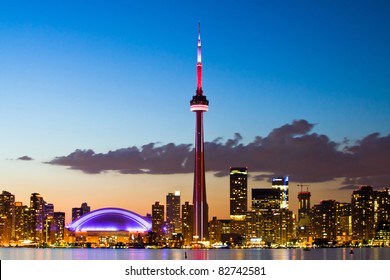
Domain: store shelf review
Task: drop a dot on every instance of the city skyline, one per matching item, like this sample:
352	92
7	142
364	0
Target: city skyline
95	99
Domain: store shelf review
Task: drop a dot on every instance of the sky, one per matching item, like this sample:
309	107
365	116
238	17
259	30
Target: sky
94	98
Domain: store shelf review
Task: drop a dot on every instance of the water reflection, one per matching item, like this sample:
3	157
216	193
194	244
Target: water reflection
177	254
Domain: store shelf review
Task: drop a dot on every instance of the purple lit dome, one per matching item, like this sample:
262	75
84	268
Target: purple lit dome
111	219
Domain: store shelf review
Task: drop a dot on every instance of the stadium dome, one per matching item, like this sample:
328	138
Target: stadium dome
110	219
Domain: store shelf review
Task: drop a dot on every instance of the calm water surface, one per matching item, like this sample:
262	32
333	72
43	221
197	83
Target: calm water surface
177	254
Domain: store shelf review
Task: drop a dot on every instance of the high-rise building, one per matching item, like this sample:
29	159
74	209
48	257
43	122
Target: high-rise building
238	198
282	184
363	214
304	214
173	220
158	219
77	212
22	222
187	212
344	222
324	223
7	215
37	212
267	202
57	227
199	105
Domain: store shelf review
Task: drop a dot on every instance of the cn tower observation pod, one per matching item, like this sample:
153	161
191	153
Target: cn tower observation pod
110	220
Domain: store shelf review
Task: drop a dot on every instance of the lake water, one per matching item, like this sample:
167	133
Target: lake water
180	254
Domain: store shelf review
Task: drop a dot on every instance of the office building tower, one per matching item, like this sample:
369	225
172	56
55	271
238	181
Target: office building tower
187	212
238	198
199	105
363	214
284	226
267	202
282	184
344	222
304	215
57	227
158	219
37	212
173	220
7	216
22	222
324	223
77	212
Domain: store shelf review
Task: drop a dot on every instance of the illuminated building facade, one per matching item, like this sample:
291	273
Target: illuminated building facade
304	215
7	217
77	212
199	105
238	198
158	219
282	184
266	202
37	217
363	214
187	217
173	220
22	222
344	222
109	226
325	220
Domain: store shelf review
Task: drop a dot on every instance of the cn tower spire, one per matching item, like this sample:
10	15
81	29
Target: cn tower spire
199	104
199	65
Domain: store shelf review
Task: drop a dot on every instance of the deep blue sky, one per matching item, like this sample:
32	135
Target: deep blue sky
107	75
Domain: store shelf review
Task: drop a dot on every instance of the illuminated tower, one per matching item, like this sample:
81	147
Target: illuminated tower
238	198
199	104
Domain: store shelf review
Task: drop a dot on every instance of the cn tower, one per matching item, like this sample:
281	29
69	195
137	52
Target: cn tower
199	104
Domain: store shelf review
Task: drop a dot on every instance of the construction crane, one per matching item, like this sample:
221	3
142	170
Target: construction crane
302	185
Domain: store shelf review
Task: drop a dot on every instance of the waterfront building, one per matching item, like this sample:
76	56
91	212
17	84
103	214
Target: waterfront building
22	222
7	217
324	223
109	227
57	227
158	219
363	214
284	226
238	198
37	217
173	221
304	214
267	201
187	212
344	222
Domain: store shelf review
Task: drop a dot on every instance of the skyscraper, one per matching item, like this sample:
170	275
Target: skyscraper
238	198
173	213
37	212
282	184
7	215
363	213
187	217
199	104
158	218
304	210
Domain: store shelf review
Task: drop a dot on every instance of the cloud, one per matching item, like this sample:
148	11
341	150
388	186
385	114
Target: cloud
26	158
291	149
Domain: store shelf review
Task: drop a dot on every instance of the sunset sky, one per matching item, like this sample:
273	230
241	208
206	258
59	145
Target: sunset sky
94	98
